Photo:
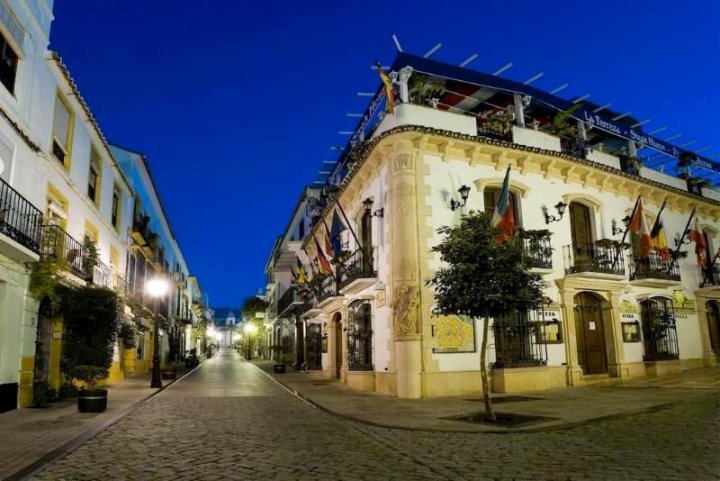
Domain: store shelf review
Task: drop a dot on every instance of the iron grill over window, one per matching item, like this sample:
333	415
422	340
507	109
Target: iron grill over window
516	345
359	336
658	319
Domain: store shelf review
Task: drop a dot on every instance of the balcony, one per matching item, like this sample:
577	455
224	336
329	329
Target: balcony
288	301
20	221
356	272
327	290
62	247
710	276
537	249
594	260
653	272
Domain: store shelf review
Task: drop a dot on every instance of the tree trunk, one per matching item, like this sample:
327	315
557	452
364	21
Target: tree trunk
489	411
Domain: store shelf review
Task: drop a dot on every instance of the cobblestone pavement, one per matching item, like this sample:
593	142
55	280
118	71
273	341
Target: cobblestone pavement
227	420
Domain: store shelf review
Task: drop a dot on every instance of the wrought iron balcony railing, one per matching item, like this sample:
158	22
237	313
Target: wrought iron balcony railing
592	257
327	288
573	147
19	219
653	267
59	245
289	298
710	275
538	251
358	265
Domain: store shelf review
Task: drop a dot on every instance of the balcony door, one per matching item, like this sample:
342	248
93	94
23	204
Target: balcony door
581	231
590	334
337	321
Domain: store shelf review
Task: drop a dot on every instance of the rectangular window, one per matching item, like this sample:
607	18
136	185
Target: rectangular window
115	212
93	190
8	65
62	128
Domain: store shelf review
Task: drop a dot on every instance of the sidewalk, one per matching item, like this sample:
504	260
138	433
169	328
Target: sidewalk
32	437
561	408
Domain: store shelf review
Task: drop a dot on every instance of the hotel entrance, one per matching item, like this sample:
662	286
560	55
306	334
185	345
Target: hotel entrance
590	331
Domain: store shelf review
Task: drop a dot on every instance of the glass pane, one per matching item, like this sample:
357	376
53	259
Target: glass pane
61	126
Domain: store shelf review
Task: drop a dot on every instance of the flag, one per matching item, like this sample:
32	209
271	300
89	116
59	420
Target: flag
504	218
328	244
638	225
337	227
301	275
657	233
697	236
323	264
388	88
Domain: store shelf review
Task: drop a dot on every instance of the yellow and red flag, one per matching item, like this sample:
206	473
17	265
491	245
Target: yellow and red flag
657	233
698	237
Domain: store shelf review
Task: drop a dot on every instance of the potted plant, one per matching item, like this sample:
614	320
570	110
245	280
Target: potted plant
91	318
90	399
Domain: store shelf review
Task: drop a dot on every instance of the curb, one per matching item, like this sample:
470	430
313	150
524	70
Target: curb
555	427
74	443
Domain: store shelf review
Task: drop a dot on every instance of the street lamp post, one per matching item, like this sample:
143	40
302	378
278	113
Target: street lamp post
249	330
156	288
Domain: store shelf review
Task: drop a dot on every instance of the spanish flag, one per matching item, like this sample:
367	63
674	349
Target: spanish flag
658	237
638	225
389	90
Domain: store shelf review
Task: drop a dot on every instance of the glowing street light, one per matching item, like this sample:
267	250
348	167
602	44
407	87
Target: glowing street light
156	288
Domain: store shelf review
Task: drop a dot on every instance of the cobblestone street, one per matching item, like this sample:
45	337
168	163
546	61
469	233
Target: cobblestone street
228	420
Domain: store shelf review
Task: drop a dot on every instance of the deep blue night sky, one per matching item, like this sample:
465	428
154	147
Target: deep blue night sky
237	103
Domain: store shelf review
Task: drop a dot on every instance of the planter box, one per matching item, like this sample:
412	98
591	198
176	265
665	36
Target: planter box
279	368
168	374
94	401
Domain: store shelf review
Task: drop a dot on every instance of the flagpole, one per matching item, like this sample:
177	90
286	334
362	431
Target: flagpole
682	237
627	228
657	219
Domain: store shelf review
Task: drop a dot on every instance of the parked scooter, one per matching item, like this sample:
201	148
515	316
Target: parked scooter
191	359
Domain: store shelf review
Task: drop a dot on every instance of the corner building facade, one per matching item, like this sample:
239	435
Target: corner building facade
606	313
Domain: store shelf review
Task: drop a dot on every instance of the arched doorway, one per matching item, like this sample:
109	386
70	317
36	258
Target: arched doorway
337	322
590	331
43	341
713	319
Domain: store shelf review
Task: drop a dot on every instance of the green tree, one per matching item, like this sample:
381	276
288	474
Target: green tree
482	278
253	304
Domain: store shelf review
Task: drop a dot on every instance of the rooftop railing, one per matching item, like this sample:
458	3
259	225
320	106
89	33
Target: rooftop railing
19	219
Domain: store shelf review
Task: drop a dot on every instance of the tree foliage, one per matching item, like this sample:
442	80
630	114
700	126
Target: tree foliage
482	278
92	319
253	304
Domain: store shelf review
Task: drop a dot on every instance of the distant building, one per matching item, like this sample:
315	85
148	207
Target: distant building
226	324
576	171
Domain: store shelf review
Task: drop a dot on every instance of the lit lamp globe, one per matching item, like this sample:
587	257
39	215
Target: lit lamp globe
250	329
157	287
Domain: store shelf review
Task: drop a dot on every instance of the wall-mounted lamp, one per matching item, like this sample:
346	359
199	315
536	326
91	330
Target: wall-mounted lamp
368	203
618	230
559	207
464	191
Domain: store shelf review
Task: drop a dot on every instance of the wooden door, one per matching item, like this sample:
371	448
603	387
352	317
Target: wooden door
590	334
366	240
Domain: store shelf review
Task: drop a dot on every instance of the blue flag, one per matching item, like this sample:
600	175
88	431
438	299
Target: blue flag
336	229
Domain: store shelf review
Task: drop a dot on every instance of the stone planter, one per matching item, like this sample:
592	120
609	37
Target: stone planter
279	368
168	373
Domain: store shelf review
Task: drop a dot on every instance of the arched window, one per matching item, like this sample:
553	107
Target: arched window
658	318
359	336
